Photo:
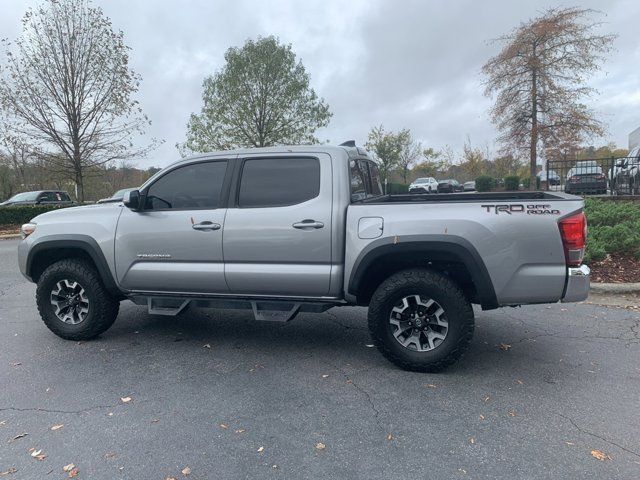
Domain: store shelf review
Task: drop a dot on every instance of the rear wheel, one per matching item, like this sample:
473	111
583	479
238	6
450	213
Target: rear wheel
420	320
73	302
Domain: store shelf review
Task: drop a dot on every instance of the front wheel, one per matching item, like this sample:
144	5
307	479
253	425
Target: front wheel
421	320
73	302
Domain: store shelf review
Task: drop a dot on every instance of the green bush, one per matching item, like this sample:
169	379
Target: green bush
526	181
484	183
22	213
512	183
397	188
614	228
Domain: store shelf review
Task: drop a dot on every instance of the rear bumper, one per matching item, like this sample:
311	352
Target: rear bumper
577	284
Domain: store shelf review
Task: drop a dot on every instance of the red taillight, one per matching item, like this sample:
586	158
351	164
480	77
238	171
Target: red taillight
573	231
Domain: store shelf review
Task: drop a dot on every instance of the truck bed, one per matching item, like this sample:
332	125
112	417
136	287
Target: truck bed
470	197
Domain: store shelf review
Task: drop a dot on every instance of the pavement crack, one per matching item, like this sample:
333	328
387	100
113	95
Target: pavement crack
587	432
335	320
363	391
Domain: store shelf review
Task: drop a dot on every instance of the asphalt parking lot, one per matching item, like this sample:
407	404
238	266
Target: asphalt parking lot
543	391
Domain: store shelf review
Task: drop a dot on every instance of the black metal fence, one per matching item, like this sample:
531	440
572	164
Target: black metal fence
598	176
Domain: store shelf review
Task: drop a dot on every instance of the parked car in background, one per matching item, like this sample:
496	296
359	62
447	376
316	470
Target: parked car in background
116	197
449	186
424	185
626	174
586	177
40	197
551	177
469	186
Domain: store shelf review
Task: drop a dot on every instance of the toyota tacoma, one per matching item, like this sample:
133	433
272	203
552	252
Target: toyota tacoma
283	230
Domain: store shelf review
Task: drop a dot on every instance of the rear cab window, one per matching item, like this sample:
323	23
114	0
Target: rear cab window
365	180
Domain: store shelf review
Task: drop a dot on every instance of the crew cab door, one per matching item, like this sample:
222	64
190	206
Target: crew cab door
174	243
277	233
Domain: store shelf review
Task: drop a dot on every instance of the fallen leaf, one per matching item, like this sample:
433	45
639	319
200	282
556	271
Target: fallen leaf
389	437
57	427
512	413
472	440
431	385
109	455
261	449
186	471
240	430
110	414
325	375
37	454
125	399
274	466
155	420
207	345
504	346
3	422
73	473
170	478
462	470
223	426
520	382
20	435
481	417
569	443
16	364
487	398
68	468
11	471
600	455
320	446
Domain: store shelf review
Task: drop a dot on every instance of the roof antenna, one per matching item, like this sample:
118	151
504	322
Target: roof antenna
348	143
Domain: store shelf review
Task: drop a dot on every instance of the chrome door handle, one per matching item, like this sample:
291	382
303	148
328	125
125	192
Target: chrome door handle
308	224
206	225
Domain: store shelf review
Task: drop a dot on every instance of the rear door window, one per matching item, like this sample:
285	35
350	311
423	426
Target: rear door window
278	182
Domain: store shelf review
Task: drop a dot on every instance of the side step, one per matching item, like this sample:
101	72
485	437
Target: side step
274	311
160	306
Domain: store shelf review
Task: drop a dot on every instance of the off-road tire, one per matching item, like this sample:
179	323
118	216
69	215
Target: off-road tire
445	292
103	307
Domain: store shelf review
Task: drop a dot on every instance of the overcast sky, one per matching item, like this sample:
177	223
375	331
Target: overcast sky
412	64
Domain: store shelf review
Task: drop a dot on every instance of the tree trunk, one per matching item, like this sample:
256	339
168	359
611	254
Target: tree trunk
533	151
79	184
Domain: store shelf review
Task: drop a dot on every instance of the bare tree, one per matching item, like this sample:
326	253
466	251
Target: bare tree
66	85
538	79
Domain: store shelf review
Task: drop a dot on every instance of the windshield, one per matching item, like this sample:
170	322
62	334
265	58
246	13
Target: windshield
422	180
24	197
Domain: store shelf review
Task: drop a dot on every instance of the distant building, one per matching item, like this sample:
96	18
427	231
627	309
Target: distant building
634	139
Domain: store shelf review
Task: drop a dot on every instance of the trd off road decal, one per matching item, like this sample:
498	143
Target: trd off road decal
530	209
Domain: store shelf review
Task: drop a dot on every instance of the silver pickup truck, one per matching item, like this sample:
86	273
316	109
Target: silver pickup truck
284	230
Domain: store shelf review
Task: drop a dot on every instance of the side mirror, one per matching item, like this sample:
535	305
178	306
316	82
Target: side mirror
131	200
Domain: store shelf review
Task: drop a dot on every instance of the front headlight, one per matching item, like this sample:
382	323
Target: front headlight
27	229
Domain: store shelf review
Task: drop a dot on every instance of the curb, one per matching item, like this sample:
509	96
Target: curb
615	287
9	236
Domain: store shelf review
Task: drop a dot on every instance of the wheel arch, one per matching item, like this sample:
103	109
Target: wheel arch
454	256
48	250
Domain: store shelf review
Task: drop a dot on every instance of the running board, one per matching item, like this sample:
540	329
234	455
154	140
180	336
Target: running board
263	312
